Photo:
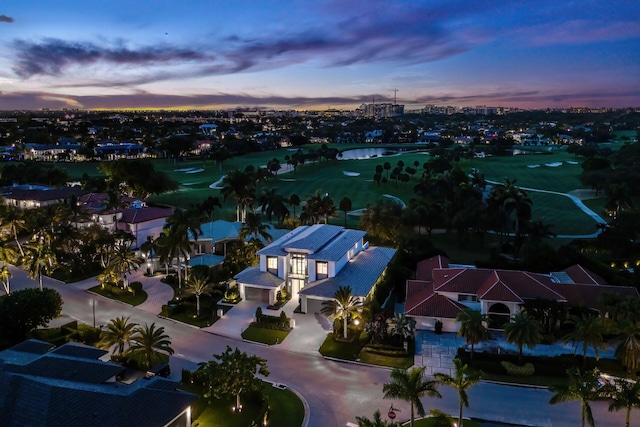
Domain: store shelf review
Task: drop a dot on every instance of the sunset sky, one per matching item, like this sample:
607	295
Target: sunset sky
318	54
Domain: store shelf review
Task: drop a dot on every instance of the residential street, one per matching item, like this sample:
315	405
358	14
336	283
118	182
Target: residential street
336	392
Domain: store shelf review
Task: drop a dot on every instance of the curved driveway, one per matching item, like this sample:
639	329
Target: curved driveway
336	392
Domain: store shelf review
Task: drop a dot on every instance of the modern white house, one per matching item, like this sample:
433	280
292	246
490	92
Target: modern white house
311	263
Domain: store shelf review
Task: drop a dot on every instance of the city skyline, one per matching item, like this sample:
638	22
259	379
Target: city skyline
327	54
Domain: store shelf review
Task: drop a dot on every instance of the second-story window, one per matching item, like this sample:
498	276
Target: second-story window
322	270
299	264
272	264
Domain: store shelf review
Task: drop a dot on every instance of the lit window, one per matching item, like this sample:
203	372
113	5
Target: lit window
322	270
272	263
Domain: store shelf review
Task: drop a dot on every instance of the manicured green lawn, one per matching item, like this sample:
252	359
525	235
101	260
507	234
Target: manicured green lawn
127	298
265	336
286	410
339	350
329	177
380	360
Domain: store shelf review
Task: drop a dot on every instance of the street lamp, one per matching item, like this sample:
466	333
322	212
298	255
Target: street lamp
93	303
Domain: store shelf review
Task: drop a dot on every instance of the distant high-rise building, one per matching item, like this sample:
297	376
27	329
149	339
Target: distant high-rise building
381	111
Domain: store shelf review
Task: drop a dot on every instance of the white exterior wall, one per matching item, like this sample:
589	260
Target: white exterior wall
263	263
144	229
513	307
337	266
454	297
311	267
283	267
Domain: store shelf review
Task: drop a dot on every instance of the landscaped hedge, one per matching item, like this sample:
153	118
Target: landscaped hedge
386	350
266	321
520	371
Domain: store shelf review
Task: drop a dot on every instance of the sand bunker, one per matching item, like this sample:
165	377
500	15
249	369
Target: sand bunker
183	170
195	171
395	199
572	162
216	185
533	166
347	173
553	165
288	179
191	183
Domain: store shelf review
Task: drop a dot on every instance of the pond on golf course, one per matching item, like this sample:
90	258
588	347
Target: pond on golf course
365	153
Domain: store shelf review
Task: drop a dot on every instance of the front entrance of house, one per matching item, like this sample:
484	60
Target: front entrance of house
498	315
295	286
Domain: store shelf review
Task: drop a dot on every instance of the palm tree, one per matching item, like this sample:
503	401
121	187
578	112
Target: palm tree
472	327
523	330
198	286
40	259
581	387
410	385
119	333
624	394
150	248
173	245
240	185
254	228
463	379
401	325
342	306
377	421
124	260
294	200
5	276
149	345
345	206
587	330
14	219
628	351
208	207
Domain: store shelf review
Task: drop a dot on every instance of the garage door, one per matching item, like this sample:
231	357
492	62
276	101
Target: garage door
314	305
256	294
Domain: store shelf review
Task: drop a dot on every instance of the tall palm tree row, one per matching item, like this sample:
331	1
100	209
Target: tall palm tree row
581	386
411	385
462	380
586	331
241	186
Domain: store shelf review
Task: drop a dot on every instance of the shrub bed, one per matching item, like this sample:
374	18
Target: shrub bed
386	350
522	371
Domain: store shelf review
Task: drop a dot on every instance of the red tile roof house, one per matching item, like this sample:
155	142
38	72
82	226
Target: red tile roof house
136	218
441	291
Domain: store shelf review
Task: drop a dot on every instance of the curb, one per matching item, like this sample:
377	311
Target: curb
305	404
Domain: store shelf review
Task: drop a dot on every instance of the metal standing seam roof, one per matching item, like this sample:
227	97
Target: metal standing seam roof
339	246
312	239
360	274
276	248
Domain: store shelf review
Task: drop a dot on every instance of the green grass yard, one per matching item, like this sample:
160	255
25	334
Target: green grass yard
263	335
127	298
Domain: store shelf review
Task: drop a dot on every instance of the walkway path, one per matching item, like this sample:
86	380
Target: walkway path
576	200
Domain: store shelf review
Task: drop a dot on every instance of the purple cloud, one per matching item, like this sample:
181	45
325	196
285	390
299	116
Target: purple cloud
7	19
51	56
